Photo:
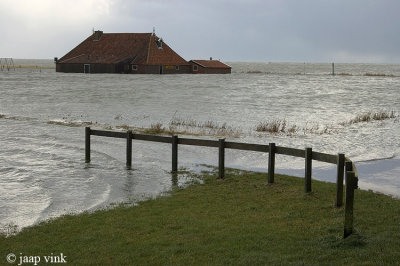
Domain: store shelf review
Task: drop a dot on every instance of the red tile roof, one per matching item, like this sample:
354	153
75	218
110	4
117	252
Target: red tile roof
112	48
166	55
210	63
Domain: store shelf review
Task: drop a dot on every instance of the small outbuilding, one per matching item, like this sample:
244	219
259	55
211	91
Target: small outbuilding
209	67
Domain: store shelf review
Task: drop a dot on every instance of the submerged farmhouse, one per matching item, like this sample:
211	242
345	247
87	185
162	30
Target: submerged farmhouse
133	53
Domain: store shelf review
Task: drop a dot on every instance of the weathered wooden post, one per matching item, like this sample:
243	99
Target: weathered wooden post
87	144
271	163
128	150
339	179
221	159
351	184
174	154
308	166
348	165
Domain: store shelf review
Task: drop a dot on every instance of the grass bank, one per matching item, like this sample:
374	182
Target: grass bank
240	220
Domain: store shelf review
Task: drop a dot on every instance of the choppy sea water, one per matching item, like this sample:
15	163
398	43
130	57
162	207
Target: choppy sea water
43	114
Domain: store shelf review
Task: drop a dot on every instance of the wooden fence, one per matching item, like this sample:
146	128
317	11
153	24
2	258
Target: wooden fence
346	169
7	63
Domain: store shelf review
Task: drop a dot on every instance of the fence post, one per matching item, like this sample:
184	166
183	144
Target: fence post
128	150
271	163
339	180
87	144
174	154
308	166
221	159
351	184
348	166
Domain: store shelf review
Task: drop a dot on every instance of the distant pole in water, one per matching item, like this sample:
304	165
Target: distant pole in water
333	69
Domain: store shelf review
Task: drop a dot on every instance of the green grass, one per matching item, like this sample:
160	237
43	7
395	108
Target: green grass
240	220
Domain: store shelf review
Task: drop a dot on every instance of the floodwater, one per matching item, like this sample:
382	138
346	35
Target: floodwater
43	114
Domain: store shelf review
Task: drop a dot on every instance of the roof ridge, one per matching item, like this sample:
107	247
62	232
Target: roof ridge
195	61
210	63
66	60
114	47
148	50
127	33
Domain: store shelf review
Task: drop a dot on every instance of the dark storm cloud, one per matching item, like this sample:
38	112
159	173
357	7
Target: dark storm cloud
275	30
365	29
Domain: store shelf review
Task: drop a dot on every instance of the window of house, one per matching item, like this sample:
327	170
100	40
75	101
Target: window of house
176	67
159	43
134	67
86	68
195	68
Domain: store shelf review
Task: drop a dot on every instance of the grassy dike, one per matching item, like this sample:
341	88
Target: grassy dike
240	220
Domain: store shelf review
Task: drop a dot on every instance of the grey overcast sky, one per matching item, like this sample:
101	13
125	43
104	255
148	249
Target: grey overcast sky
363	31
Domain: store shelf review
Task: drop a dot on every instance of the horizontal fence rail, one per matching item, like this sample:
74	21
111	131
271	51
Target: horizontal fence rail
346	169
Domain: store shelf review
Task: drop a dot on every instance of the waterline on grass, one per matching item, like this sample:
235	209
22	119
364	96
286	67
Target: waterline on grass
240	219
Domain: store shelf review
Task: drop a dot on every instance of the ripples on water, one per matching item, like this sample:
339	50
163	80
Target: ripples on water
43	175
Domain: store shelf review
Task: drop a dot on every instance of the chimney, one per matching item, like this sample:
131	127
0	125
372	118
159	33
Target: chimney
97	35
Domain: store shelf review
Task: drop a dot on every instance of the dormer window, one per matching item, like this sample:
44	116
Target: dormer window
159	43
97	35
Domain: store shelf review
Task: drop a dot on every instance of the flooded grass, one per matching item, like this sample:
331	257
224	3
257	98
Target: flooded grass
193	128
34	67
188	126
367	75
240	220
379	75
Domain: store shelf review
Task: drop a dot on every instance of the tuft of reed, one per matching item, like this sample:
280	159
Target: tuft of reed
183	122
254	72
156	128
280	126
293	129
208	128
383	115
367	75
379	75
370	116
124	127
344	74
273	126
